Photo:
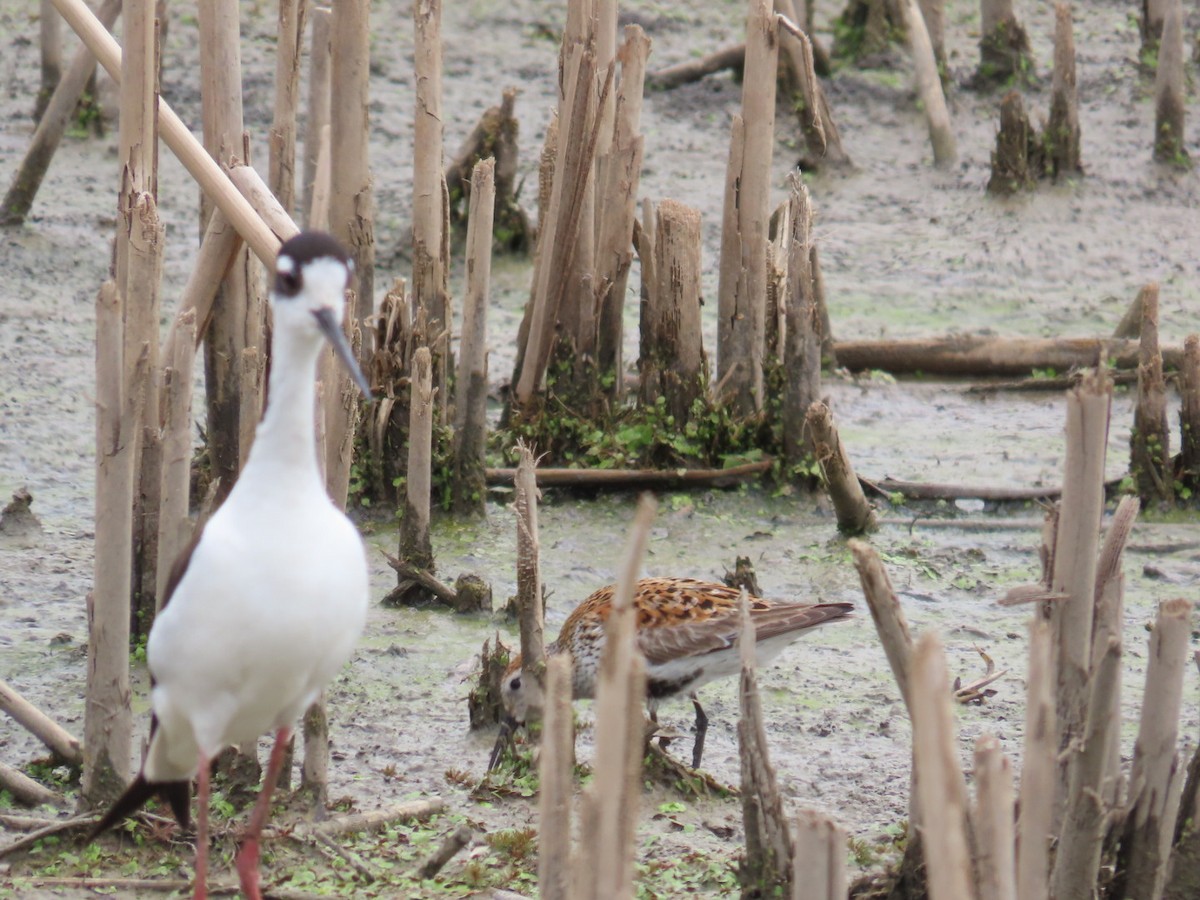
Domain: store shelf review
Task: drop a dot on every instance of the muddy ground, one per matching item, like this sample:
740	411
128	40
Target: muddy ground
907	251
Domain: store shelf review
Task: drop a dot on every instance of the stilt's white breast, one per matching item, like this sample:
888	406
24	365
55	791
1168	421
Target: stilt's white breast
272	603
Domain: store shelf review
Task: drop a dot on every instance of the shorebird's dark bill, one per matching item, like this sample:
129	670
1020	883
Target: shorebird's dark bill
507	726
333	331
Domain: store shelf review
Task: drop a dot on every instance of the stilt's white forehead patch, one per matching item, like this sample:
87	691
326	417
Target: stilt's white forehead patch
285	265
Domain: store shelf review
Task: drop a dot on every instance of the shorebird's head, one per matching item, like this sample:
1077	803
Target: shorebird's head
312	273
518	693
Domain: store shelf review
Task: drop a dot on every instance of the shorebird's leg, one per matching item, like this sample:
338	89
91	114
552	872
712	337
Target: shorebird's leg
701	730
200	891
663	741
247	858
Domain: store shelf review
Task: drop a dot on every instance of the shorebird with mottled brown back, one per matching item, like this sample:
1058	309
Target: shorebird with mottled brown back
268	603
686	629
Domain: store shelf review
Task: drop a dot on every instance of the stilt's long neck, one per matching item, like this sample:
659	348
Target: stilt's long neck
286	435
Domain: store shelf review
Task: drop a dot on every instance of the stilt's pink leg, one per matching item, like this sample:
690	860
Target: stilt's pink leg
200	892
247	858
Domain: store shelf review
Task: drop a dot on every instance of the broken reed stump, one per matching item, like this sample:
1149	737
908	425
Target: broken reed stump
742	282
929	85
50	45
866	30
1017	161
941	786
1130	326
314	769
53	121
1150	24
1189	416
555	782
933	14
1074	563
558	220
1156	778
1183	875
469	487
743	577
892	628
993	817
1061	138
1094	765
351	213
108	719
341	408
387	432
174	523
673	369
818	857
1035	824
1004	52
1170	99
484	705
620	173
767	867
142	237
1149	441
226	334
802	332
530	602
812	106
416	549
430	207
319	55
854	513
610	803
494	137
282	138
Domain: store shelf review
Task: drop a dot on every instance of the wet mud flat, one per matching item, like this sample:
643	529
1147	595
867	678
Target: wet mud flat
908	251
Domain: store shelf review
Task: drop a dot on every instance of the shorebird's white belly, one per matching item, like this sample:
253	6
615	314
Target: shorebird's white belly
269	609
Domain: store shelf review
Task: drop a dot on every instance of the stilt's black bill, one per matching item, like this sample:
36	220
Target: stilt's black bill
333	332
507	726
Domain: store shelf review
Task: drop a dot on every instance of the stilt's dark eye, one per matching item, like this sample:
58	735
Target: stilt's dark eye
287	284
515	684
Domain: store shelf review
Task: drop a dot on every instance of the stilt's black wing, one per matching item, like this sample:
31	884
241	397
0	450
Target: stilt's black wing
177	794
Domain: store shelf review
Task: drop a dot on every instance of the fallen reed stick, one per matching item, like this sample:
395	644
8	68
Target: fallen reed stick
854	513
54	736
52	124
530	603
25	789
190	152
33	837
633	477
449	848
978	355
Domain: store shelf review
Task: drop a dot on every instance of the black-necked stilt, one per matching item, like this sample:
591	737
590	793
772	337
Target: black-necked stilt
267	604
686	629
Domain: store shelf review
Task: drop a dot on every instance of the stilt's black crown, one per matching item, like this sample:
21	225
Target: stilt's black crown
301	250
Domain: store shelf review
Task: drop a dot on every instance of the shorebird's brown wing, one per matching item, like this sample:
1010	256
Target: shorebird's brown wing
697	637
